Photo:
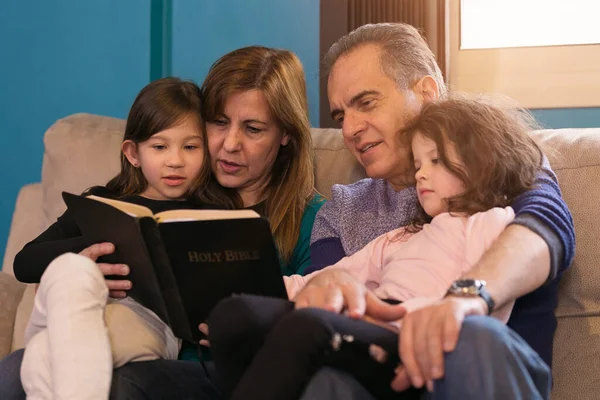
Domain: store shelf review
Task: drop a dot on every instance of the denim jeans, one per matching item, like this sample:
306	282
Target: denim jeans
490	362
10	377
158	379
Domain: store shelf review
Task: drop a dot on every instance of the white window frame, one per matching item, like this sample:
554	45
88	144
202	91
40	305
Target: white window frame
537	77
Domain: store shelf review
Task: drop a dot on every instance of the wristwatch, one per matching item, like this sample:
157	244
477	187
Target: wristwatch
472	288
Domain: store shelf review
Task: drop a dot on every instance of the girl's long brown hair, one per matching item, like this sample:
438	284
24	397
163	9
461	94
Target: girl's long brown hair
499	158
280	77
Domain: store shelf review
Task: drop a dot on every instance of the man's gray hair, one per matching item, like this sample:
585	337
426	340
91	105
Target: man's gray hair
405	57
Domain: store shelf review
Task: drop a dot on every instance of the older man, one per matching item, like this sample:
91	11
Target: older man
379	76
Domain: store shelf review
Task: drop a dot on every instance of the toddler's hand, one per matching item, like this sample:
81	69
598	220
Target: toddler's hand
391	325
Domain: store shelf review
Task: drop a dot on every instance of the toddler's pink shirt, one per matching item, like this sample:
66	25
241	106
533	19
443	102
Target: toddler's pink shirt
404	266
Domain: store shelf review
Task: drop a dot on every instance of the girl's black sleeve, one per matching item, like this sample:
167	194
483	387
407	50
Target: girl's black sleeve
61	237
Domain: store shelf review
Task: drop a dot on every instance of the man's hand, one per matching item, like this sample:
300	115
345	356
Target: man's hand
426	334
336	290
117	289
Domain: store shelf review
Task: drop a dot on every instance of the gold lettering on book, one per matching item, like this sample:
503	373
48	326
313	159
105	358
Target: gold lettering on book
195	256
227	256
241	255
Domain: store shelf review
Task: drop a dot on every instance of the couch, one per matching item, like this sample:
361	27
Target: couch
82	150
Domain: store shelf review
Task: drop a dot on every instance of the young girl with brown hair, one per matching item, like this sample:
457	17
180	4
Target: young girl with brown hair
471	159
76	335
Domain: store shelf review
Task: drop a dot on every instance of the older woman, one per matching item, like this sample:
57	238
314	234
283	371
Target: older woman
259	141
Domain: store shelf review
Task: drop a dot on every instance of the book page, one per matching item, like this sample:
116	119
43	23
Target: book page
134	210
203	215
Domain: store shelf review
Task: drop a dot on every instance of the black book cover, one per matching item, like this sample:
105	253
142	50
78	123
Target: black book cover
180	270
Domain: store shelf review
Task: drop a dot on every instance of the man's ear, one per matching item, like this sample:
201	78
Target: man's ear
129	148
427	89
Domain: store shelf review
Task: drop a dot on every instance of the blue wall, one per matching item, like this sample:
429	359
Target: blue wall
57	58
66	56
568	117
204	30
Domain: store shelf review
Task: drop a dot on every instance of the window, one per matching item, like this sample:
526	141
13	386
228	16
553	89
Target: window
522	23
543	53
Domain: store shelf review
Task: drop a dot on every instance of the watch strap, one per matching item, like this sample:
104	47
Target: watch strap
471	288
485	295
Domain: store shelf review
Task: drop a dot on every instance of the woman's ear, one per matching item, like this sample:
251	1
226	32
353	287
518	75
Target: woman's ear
129	148
285	139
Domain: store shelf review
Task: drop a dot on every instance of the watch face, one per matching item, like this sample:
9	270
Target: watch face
466	287
465	283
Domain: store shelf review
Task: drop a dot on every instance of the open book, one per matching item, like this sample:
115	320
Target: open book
182	262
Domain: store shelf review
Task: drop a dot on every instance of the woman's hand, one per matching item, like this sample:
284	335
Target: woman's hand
204	329
117	288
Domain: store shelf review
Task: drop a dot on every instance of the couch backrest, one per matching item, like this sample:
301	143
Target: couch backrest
334	162
83	150
575	157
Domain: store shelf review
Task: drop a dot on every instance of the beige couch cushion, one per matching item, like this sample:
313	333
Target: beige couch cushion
11	292
28	221
86	139
575	157
334	162
22	316
576	359
82	150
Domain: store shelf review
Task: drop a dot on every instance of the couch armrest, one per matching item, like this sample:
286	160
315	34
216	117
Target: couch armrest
28	222
11	292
